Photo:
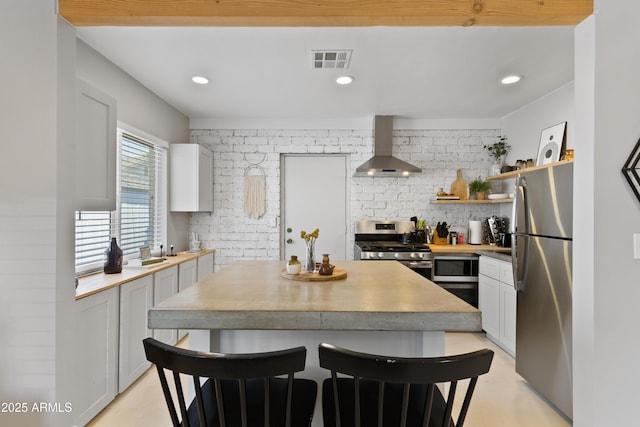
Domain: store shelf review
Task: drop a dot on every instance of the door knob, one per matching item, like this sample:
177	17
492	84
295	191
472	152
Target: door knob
289	230
289	241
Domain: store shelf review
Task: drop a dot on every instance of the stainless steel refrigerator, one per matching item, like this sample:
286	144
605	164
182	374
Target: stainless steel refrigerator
542	222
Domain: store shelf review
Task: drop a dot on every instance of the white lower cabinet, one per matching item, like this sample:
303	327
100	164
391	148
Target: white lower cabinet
165	284
489	304
97	350
508	304
497	299
136	298
111	325
187	276
205	266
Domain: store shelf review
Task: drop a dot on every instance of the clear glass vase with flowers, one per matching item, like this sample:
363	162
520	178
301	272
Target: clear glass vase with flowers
310	240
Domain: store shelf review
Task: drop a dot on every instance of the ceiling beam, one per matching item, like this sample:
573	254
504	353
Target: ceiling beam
324	13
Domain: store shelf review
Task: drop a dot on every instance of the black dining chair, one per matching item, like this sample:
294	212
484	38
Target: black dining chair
372	390
233	390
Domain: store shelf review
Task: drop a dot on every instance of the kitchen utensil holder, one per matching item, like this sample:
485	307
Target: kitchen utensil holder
437	240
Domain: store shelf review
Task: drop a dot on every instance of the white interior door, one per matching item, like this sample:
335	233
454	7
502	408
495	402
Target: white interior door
314	195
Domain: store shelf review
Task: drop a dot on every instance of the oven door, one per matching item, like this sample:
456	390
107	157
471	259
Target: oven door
421	267
466	291
458	274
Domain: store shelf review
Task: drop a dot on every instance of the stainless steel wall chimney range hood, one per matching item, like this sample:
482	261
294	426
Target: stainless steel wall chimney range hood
383	163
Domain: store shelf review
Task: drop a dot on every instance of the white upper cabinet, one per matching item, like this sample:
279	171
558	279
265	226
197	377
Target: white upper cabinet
96	122
190	178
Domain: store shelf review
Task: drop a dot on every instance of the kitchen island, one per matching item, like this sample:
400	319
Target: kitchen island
381	306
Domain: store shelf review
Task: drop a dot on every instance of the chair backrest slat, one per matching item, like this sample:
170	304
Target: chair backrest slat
198	398
251	390
405	404
467	400
336	401
428	404
406	388
220	401
380	403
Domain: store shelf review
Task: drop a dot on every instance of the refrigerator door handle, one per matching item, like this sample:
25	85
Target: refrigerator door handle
520	274
520	251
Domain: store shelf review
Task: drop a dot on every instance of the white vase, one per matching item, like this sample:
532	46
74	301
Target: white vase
494	169
294	266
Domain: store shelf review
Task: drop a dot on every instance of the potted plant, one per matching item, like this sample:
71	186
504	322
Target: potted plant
479	187
498	151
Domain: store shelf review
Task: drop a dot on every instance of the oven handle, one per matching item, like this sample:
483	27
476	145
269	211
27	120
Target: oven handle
417	264
455	257
455	279
445	285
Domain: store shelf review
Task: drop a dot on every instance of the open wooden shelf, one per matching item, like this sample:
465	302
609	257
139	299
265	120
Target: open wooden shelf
515	174
470	202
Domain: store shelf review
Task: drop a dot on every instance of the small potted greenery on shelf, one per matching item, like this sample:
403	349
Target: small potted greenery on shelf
480	188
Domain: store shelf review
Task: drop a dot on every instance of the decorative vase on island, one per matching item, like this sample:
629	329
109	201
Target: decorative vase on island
293	265
113	258
310	260
326	269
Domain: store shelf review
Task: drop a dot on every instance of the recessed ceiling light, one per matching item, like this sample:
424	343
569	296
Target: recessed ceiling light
200	80
344	80
511	79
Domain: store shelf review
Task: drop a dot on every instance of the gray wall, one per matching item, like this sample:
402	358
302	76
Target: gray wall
36	217
524	126
606	277
142	109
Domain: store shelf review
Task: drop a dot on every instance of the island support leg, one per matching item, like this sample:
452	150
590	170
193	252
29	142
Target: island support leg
432	343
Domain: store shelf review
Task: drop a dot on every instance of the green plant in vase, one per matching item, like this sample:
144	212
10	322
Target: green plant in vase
480	188
498	150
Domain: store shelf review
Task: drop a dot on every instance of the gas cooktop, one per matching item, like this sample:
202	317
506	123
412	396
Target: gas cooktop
384	246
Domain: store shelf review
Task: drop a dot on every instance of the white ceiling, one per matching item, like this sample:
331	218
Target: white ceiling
425	72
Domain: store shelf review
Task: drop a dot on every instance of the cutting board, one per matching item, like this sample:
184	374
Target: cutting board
338	274
460	187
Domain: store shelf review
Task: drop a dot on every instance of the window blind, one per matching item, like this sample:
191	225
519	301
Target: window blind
140	217
142	201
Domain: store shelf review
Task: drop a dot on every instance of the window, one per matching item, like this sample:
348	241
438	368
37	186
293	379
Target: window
140	215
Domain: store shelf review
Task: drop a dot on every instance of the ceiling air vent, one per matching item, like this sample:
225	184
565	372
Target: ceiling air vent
330	59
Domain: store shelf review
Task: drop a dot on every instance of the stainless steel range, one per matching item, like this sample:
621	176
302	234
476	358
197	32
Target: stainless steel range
392	240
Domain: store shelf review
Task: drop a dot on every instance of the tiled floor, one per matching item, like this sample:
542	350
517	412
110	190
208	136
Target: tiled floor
502	398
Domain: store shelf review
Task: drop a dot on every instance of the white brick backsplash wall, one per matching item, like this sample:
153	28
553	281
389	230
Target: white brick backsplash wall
438	152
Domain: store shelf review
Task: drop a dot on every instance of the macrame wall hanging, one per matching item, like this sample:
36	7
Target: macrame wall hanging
255	186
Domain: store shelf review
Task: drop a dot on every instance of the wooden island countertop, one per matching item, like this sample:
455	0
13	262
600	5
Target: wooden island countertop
375	296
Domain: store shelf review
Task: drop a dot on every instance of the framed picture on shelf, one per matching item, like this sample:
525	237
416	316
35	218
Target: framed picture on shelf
552	144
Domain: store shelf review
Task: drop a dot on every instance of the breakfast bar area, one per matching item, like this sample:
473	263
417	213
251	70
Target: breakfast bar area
380	307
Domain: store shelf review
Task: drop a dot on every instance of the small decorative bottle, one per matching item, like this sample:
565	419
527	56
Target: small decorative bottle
326	269
293	265
113	258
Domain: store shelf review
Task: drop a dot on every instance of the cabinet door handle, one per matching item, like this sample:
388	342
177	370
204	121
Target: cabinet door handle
289	241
